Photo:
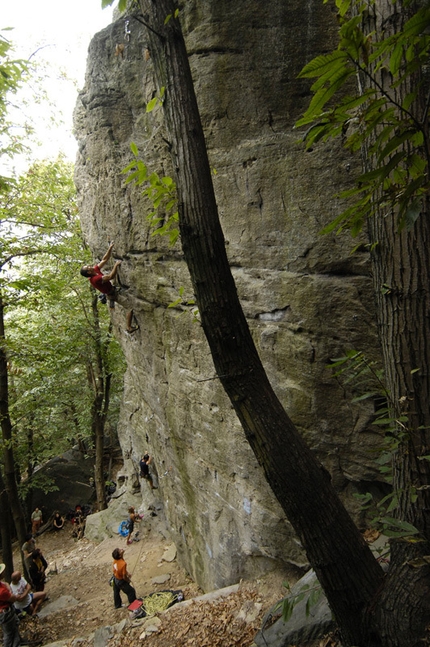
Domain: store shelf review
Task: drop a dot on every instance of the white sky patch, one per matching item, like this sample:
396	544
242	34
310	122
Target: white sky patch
57	33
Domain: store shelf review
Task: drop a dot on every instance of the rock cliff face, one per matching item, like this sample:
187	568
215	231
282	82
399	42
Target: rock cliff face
307	299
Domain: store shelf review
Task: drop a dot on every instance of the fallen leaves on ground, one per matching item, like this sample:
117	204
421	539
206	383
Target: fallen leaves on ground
225	622
231	621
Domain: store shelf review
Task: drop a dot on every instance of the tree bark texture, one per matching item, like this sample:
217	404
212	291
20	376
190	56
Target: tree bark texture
99	381
7	441
342	560
401	274
5	529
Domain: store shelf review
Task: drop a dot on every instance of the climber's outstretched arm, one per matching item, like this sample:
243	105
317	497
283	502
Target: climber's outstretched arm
106	257
112	274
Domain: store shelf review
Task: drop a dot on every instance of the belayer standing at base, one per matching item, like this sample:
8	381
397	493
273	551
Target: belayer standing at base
121	579
102	283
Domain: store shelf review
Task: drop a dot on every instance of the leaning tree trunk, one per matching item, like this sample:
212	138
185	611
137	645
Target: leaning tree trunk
343	562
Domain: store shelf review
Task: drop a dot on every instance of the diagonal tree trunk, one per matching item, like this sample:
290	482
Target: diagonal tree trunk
343	562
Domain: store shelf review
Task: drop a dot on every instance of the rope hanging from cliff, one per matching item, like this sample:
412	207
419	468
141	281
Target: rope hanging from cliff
137	560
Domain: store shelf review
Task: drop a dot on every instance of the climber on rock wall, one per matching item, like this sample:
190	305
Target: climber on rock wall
102	283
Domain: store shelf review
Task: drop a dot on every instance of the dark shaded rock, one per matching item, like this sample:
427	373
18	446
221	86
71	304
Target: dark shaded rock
71	473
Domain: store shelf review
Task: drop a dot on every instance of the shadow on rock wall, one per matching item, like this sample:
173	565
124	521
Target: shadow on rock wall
71	474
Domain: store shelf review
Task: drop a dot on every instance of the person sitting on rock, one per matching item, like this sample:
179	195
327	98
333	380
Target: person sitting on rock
26	601
121	579
102	283
58	521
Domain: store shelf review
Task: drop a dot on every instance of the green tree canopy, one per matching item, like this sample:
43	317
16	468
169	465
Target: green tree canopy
50	336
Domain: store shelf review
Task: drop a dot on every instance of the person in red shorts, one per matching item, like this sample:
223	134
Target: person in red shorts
102	283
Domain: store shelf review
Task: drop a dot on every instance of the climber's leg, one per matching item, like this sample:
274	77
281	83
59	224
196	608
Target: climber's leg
130	327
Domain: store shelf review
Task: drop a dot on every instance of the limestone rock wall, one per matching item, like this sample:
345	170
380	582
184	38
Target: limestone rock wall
307	299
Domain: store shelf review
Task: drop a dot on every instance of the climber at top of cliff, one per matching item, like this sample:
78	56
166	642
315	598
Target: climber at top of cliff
102	283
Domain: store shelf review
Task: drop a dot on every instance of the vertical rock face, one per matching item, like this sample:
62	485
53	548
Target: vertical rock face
307	299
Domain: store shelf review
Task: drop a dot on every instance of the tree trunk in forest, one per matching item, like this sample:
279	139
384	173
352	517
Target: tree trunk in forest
100	381
342	560
401	275
28	504
5	530
402	262
6	427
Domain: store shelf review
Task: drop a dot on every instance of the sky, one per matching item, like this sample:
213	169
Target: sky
57	33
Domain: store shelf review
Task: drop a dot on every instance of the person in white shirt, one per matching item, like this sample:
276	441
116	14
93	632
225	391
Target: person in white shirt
25	600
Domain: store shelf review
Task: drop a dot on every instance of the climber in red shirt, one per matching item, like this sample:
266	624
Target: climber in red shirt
102	283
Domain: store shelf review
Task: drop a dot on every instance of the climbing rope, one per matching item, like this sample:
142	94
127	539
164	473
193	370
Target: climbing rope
137	560
157	602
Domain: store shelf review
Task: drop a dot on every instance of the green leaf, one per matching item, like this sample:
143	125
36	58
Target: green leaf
381	172
151	104
365	396
396	58
394	143
342	6
287	610
324	64
402	528
417	24
383	421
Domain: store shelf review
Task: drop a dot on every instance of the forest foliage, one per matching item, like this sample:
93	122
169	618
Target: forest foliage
368	92
50	336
